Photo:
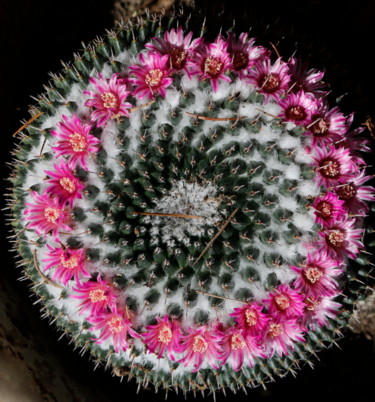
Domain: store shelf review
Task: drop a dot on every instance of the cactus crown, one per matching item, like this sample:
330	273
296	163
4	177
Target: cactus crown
187	210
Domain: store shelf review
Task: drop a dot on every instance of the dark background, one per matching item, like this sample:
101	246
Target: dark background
336	36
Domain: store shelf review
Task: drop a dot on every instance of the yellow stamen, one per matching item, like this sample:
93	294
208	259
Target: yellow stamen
70	263
154	78
109	100
165	334
199	345
51	214
115	325
97	295
251	318
282	301
68	184
78	142
237	342
313	274
276	330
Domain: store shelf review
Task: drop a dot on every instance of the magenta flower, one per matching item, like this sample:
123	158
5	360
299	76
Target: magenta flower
152	76
108	99
200	345
270	80
285	302
355	144
240	350
328	209
341	240
243	54
353	141
163	337
281	335
64	184
211	62
298	108
333	166
74	141
354	195
319	310
250	319
96	297
180	49
115	325
68	263
318	276
303	78
47	215
327	126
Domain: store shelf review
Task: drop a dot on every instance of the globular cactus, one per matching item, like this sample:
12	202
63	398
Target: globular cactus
188	210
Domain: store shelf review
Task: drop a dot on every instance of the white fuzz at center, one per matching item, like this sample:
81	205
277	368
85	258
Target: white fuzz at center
186	199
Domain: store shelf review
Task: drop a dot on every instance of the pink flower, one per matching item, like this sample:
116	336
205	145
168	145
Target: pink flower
341	240
328	209
327	126
240	350
108	99
47	215
318	276
163	337
115	325
355	144
319	310
270	80
243	54
200	345
211	62
74	141
63	184
97	296
281	335
303	78
333	166
298	108
180	49
285	302
68	263
151	77
250	319
353	141
354	195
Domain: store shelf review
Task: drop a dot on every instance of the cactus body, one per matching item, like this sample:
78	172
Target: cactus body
187	210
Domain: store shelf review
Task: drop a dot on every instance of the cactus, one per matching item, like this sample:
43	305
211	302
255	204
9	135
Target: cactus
191	212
